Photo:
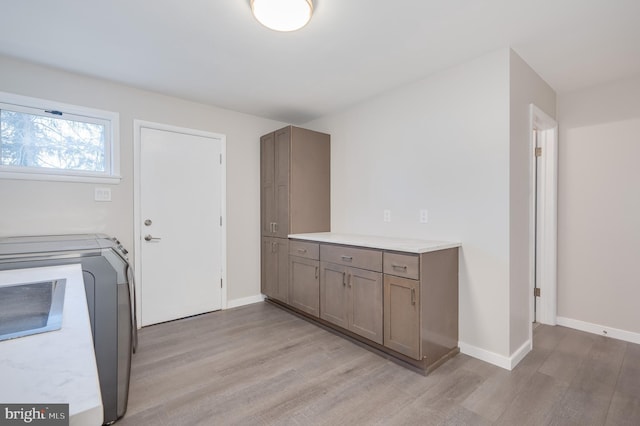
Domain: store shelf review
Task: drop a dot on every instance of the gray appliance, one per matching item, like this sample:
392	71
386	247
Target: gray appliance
108	282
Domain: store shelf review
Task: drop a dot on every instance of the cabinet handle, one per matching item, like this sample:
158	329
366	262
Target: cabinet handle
317	272
349	280
302	250
413	296
401	267
273	247
346	258
275	227
344	278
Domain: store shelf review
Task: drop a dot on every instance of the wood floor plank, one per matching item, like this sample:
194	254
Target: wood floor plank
492	398
624	410
588	397
629	378
568	357
260	365
534	403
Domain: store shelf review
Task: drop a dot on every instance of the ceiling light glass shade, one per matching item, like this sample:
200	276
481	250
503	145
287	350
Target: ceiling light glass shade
282	15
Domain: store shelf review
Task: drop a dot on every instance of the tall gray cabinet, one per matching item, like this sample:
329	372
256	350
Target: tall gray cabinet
295	198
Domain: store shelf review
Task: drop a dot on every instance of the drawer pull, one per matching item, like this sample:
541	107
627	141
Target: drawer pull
344	278
346	258
400	267
413	296
302	250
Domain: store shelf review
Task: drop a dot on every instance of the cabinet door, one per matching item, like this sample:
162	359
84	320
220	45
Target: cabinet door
402	315
282	283
269	267
365	303
333	294
267	185
275	268
282	171
304	284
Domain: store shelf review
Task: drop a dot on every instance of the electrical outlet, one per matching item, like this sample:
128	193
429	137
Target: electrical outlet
424	216
386	215
102	194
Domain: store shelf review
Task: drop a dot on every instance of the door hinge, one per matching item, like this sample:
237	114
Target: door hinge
220	282
220	220
220	158
538	152
536	292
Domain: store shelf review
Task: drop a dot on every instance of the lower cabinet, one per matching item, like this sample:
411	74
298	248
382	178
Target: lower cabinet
402	315
404	304
275	268
333	294
352	299
304	288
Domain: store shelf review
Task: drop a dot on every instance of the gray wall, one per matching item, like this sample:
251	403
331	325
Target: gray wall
599	205
441	144
37	207
525	87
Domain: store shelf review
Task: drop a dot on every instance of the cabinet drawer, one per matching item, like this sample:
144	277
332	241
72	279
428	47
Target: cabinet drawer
402	265
304	249
352	256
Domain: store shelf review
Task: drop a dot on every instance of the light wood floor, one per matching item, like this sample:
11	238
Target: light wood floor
259	365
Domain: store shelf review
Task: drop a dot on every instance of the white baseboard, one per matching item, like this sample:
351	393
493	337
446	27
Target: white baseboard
602	330
244	301
519	355
508	363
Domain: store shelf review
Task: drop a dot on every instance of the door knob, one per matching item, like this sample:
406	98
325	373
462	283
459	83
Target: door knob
150	238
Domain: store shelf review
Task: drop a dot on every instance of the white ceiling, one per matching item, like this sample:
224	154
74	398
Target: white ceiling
215	52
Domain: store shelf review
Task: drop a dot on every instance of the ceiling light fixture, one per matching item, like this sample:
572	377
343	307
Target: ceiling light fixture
282	15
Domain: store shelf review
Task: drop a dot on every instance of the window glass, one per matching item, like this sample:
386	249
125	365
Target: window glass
30	140
54	143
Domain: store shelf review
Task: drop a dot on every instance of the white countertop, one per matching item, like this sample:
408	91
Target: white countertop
57	366
383	243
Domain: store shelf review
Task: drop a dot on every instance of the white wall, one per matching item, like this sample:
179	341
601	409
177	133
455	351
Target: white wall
440	144
31	207
526	87
599	206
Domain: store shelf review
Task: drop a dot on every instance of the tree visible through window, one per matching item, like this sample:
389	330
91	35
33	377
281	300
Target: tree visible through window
65	142
29	140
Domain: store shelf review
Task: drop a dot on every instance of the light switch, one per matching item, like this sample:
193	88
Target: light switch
102	194
424	216
386	215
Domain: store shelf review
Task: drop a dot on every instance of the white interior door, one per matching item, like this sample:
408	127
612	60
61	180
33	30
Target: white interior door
180	211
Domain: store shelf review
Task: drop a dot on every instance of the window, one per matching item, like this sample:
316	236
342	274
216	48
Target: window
50	141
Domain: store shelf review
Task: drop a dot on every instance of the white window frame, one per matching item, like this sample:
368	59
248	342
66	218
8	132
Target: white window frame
111	120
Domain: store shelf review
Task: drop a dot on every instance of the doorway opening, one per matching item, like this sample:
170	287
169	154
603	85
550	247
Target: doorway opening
543	217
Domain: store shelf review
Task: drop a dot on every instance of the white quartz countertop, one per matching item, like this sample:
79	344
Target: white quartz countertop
383	243
57	366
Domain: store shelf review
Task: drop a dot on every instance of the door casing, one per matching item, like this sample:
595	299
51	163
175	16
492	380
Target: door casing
543	217
137	218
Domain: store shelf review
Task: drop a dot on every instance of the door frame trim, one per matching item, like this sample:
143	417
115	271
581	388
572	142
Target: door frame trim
138	125
546	233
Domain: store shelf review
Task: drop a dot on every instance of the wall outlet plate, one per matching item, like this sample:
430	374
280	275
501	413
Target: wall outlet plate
102	194
424	216
386	215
